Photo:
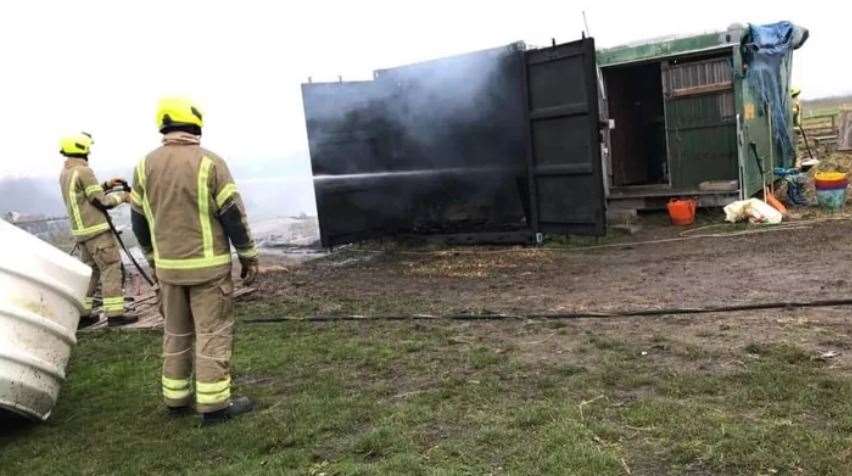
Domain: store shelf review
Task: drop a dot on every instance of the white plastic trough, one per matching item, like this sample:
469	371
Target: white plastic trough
41	295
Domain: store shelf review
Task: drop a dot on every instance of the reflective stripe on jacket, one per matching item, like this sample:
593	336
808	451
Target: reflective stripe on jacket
179	189
83	195
797	112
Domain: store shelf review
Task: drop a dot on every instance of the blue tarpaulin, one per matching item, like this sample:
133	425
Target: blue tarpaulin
771	49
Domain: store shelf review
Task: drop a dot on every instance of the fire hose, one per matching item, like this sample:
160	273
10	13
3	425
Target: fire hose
627	313
126	188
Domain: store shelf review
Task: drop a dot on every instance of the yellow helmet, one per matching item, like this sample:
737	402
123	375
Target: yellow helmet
795	91
178	112
77	145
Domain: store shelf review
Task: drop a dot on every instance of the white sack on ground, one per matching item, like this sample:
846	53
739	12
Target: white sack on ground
753	210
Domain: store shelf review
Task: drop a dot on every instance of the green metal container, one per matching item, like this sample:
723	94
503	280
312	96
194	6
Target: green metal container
712	128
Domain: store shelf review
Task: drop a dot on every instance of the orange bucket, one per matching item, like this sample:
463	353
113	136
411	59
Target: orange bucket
682	211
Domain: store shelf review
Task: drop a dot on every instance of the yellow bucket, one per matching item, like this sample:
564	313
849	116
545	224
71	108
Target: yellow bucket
830	176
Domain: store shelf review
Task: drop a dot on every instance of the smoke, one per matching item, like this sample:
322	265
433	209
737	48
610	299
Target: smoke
435	146
440	103
275	187
278	187
31	196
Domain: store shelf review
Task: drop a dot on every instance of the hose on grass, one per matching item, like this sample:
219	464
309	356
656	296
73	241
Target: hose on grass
683	236
798	225
676	311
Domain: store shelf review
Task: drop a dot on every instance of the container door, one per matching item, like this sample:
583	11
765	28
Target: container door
347	138
701	121
564	156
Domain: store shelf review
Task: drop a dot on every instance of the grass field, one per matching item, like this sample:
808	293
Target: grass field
451	398
825	106
760	392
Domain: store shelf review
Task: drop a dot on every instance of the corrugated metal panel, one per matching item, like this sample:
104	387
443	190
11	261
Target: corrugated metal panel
701	121
701	111
698	77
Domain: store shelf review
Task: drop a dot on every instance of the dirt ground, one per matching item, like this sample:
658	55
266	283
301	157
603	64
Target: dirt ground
802	264
794	264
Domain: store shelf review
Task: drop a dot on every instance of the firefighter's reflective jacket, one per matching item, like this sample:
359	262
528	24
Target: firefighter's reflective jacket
86	200
186	212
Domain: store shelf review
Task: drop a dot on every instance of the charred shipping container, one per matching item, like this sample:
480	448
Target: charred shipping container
490	144
516	142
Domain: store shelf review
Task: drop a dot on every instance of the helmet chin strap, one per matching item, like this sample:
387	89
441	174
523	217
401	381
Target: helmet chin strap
188	128
76	156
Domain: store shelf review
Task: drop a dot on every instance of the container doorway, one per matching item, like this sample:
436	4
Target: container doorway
639	154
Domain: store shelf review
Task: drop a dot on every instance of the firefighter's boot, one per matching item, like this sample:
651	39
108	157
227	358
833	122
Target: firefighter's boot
122	320
238	406
88	320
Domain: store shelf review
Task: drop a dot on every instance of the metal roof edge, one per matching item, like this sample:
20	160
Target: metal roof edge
711	49
496	51
665	47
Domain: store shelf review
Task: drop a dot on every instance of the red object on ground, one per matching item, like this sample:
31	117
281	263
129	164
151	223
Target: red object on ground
682	211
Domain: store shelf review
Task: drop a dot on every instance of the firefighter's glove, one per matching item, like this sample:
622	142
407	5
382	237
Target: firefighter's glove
109	185
249	270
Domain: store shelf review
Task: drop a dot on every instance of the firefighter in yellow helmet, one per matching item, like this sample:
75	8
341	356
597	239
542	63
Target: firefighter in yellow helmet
87	203
797	107
186	214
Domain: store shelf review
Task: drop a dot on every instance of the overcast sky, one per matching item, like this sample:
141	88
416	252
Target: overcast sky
101	66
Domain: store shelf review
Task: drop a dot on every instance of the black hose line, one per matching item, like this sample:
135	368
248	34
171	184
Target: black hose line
562	316
123	247
129	255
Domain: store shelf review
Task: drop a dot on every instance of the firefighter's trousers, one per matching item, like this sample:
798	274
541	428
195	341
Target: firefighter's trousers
199	327
101	254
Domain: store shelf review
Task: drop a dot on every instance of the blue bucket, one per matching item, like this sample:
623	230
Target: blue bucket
831	198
